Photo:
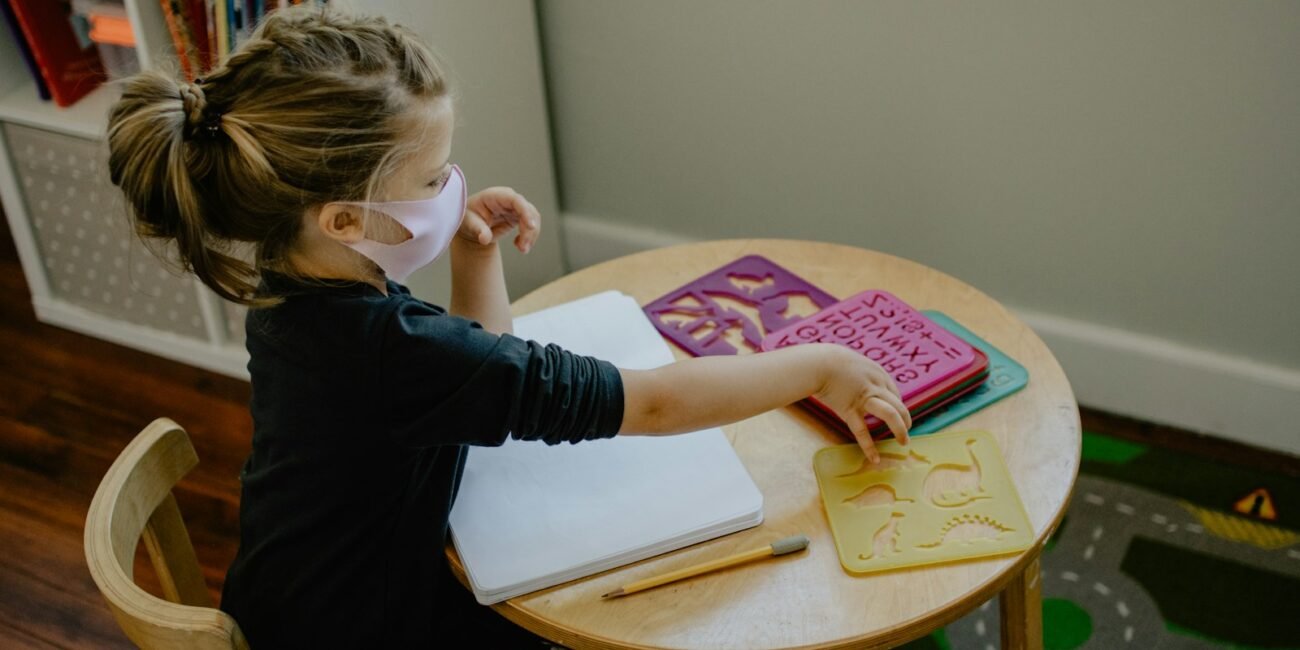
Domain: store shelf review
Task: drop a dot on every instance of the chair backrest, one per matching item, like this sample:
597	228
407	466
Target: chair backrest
133	501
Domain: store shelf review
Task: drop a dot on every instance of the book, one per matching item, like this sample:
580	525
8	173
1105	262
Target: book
69	68
25	50
222	18
183	39
196	15
530	516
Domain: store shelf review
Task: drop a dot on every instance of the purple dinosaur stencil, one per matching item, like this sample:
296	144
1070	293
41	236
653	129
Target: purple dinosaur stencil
735	305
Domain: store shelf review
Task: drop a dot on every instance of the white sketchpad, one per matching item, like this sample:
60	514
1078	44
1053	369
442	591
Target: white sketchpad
530	516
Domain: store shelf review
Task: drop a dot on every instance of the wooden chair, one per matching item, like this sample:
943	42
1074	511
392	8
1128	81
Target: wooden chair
133	501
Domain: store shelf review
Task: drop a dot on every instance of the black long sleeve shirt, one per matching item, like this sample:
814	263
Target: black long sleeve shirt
362	407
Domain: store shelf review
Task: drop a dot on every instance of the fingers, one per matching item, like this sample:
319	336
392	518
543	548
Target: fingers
858	426
890	415
897	402
884	381
507	209
475	228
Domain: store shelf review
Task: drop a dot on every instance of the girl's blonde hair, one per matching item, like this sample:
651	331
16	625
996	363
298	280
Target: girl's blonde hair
304	113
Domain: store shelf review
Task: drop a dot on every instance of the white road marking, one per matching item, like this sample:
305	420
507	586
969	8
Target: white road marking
1173	528
1124	508
1123	609
1069	576
1094	499
1128	633
1101	589
1096	533
1087	552
1159	519
1293	554
979	627
1194	528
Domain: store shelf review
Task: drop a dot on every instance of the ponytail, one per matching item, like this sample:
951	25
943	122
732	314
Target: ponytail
157	136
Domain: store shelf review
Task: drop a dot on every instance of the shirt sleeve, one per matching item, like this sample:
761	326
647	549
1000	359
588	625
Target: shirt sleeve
448	381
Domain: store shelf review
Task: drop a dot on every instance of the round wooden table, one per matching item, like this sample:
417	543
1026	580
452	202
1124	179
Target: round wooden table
807	600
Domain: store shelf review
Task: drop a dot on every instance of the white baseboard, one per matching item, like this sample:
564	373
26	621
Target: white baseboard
226	359
1110	369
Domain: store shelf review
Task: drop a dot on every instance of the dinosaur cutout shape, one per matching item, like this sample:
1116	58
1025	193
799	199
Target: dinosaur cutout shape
968	528
880	494
889	461
677	318
750	284
735	336
797	306
952	485
885	542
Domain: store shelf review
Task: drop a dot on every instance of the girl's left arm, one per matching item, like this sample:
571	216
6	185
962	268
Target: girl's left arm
478	284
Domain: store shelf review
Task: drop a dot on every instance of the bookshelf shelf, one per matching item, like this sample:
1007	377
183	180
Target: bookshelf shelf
85	119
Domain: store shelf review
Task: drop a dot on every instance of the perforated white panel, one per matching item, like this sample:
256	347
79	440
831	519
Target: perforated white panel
91	256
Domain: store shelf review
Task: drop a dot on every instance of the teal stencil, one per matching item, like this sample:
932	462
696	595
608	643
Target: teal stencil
1005	377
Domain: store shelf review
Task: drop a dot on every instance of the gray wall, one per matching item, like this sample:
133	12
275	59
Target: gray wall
1133	165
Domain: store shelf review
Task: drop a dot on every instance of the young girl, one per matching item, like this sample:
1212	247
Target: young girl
323	145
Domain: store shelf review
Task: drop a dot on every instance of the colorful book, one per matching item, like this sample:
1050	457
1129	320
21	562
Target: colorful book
731	309
196	19
210	18
70	69
42	90
187	55
222	19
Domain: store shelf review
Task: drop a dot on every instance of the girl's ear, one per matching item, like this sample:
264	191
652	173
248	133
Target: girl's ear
341	222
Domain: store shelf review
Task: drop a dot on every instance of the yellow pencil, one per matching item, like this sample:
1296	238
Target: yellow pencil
779	547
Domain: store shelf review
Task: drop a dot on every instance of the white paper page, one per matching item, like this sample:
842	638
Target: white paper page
532	514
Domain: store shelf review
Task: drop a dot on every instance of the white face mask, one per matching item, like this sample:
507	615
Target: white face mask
431	222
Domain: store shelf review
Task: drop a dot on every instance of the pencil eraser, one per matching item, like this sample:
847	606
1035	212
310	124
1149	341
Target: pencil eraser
789	545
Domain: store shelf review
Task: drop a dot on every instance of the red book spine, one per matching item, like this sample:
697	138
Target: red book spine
69	70
197	15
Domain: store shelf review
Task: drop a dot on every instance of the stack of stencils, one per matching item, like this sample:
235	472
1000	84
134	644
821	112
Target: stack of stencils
931	366
943	371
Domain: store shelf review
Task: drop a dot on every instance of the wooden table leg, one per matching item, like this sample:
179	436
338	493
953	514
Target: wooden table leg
1022	609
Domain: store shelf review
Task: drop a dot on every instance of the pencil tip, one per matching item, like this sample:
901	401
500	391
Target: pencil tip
614	594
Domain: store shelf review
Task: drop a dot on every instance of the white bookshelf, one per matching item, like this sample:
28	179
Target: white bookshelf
85	119
208	345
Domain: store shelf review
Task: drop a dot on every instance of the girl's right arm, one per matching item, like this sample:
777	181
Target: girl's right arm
709	391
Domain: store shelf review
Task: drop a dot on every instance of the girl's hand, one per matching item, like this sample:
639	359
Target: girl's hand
856	386
494	212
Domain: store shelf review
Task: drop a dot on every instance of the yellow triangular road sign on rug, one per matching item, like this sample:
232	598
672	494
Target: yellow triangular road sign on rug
1257	504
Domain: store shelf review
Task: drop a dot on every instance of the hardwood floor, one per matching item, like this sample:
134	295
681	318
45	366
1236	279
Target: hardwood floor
70	403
